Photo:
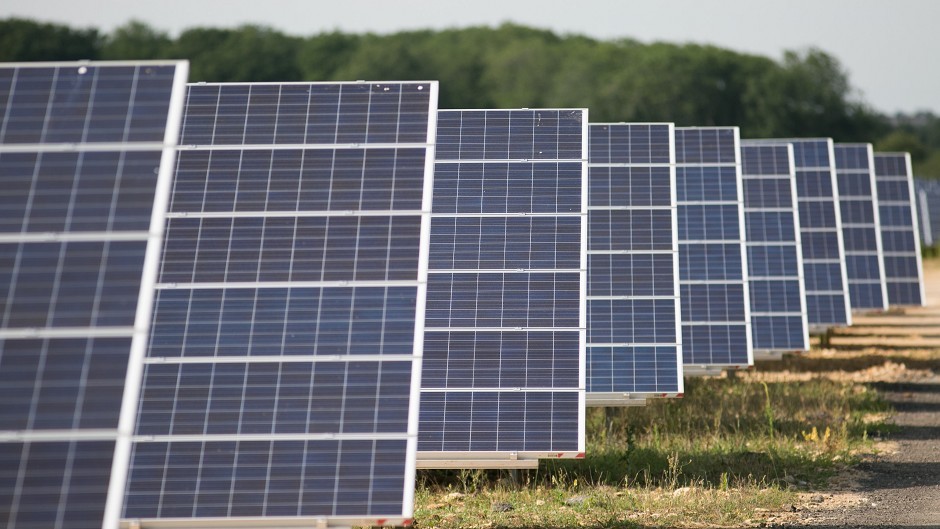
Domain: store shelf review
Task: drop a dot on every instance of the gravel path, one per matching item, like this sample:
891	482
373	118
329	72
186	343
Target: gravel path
900	487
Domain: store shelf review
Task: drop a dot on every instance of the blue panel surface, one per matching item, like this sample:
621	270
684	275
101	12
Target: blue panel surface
712	257
861	228
774	253
287	307
84	150
904	273
505	315
633	315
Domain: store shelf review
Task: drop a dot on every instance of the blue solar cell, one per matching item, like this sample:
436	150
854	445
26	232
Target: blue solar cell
713	281
642	367
903	270
633	328
85	148
625	186
631	230
293	180
493	359
87	103
475	243
499	421
54	484
631	143
505	295
223	479
545	134
225	249
629	275
706	184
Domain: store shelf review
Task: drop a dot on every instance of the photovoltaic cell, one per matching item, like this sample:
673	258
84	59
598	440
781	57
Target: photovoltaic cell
281	377
86	153
715	314
861	229
503	375
904	272
824	272
774	254
633	349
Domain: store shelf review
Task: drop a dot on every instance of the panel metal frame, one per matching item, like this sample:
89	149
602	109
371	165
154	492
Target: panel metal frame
777	354
523	459
640	398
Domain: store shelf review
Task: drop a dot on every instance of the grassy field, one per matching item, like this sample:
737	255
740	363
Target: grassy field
733	451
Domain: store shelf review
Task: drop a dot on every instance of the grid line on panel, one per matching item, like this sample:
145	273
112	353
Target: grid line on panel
778	312
504	262
897	211
631	171
716	322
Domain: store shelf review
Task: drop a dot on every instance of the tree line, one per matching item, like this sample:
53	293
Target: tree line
805	94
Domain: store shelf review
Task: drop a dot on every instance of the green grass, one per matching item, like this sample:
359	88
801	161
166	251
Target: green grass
732	448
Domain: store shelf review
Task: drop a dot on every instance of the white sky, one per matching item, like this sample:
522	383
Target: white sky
889	47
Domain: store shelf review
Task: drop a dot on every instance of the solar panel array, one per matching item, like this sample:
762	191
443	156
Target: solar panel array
84	149
824	273
237	332
504	344
861	229
774	254
903	269
633	349
716	331
282	371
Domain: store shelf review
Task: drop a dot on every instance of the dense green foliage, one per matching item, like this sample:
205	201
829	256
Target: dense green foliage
804	94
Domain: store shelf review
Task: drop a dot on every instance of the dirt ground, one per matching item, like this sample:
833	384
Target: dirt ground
899	354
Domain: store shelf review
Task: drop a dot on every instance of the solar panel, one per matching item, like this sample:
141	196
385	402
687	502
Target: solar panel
503	379
633	340
824	273
716	332
774	255
281	377
861	231
84	150
904	272
928	209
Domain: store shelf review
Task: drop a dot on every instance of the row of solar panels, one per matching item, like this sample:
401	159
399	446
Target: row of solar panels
223	303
